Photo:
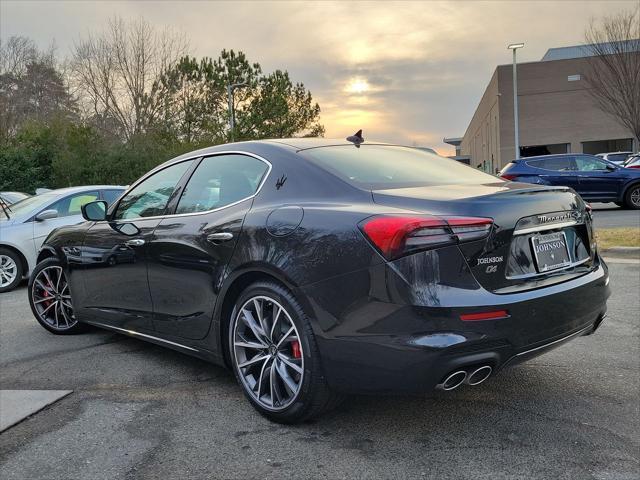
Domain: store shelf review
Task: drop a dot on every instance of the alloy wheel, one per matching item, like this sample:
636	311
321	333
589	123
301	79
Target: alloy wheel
8	270
52	299
635	197
268	353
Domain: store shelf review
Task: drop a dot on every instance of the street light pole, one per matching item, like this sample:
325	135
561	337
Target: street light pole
514	47
230	89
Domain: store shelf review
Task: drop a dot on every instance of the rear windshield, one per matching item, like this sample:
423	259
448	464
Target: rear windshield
380	167
617	157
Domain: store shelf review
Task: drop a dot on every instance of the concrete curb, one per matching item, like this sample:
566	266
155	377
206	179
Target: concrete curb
621	252
16	405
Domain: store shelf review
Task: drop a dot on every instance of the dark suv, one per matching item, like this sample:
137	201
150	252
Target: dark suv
595	179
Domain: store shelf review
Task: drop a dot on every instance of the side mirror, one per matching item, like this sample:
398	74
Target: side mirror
611	168
46	215
94	211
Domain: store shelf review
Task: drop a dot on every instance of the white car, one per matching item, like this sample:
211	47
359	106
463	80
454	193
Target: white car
615	157
27	223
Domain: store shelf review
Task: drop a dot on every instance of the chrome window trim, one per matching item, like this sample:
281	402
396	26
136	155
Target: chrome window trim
133	333
203	157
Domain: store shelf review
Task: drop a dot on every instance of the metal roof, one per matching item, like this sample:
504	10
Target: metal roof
455	141
581	51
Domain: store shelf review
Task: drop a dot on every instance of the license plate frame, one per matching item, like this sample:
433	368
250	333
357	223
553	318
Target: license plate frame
544	258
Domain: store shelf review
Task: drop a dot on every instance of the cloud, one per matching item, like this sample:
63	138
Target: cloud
426	63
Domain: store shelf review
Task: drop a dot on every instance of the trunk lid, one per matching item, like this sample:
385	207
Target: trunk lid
527	220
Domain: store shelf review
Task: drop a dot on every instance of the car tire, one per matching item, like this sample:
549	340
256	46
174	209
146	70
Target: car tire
11	270
632	197
50	299
294	395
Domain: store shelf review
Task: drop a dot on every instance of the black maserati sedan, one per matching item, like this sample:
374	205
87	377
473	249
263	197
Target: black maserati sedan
316	268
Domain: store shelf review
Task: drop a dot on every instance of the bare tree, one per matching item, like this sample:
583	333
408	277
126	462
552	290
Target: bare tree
116	74
17	52
31	86
614	67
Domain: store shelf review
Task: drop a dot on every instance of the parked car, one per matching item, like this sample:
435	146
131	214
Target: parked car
595	179
25	225
9	198
615	157
633	161
313	268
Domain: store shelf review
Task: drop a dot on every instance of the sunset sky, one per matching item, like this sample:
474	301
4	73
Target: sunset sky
410	72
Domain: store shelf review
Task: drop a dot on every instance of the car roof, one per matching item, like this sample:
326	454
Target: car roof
304	143
67	190
296	143
292	145
553	155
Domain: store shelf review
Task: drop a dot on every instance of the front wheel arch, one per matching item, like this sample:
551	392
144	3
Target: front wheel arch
45	253
20	255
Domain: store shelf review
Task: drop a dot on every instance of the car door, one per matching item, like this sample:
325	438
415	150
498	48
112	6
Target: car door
191	249
599	180
114	252
69	213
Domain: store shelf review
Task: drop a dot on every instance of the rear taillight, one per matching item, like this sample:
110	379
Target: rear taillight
507	176
398	235
633	166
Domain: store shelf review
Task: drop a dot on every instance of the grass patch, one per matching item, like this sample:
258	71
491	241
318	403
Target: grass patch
618	237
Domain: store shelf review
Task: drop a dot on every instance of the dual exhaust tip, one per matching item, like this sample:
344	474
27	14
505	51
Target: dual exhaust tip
471	377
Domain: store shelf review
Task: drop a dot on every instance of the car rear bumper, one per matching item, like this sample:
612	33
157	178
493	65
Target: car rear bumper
377	345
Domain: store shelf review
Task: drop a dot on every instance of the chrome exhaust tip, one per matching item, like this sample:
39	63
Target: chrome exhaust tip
479	375
453	380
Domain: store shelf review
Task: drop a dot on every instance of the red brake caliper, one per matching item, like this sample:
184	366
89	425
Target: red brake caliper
47	294
295	349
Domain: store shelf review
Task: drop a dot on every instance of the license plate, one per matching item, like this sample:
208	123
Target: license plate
550	251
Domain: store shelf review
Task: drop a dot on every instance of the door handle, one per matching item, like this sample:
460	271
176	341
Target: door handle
219	237
136	242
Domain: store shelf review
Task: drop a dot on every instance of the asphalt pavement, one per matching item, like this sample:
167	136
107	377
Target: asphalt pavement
139	411
609	215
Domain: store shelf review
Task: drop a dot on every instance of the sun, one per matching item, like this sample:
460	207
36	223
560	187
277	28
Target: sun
357	85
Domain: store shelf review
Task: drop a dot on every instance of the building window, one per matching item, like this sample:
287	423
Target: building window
573	78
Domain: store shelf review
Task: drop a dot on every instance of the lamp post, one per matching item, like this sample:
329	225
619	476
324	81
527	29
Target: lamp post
513	47
230	89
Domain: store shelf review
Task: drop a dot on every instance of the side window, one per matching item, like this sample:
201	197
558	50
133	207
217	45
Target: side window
221	180
590	164
559	164
71	205
536	163
111	196
150	197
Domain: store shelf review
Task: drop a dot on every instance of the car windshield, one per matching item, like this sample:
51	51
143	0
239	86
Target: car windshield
28	204
385	166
